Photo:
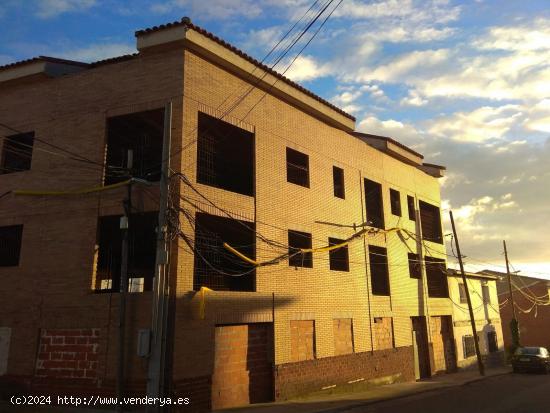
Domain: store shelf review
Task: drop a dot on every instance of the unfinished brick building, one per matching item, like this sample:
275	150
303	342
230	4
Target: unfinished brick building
282	174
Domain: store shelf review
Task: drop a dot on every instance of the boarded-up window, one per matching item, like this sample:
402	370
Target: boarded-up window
469	346
297	167
338	180
430	219
10	245
462	292
17	153
415	269
410	207
217	268
395	201
302	340
296	242
225	155
436	275
378	263
373	203
338	258
383	333
343	336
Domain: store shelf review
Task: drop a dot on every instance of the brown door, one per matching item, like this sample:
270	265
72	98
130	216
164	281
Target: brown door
448	343
421	334
243	372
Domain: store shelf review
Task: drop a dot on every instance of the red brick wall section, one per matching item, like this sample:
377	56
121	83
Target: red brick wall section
296	379
71	353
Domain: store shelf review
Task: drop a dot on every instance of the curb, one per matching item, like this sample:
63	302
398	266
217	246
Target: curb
402	396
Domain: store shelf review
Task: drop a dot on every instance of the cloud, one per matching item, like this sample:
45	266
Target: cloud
211	9
534	36
303	69
46	9
480	125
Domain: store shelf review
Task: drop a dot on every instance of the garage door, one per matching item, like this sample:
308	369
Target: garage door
243	371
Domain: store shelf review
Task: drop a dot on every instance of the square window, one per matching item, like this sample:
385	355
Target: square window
415	269
297	167
17	153
339	258
225	155
10	245
338	180
296	241
395	201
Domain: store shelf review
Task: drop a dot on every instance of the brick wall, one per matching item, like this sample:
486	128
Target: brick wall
343	336
69	353
295	379
302	340
382	329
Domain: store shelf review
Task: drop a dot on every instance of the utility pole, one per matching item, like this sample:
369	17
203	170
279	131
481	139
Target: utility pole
156	368
472	319
514	325
124	227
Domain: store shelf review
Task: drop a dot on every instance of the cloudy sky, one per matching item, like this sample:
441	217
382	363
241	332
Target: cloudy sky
466	83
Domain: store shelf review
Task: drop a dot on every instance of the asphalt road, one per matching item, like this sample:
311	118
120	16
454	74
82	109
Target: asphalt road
513	393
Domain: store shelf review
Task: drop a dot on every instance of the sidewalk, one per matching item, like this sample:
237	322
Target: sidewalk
337	402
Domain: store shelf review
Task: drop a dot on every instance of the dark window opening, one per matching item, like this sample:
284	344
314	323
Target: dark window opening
217	268
225	155
485	294
339	258
17	153
10	245
492	341
469	346
142	134
436	275
410	207
141	255
299	240
462	293
430	219
297	167
415	269
338	180
373	203
378	262
395	201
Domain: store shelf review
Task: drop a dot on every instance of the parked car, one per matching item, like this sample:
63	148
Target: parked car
531	359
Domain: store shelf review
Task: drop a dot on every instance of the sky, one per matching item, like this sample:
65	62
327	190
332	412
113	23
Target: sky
465	83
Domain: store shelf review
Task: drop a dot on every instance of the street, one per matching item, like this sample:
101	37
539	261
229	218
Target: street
529	393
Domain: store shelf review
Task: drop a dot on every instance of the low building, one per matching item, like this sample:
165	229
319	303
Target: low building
532	308
261	306
483	295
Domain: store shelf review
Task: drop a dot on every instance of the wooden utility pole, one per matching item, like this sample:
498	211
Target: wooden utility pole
472	319
156	368
514	326
125	228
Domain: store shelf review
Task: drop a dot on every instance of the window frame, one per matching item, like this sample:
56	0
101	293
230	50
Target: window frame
294	169
411	208
15	236
415	269
338	182
302	260
462	293
17	152
430	218
337	261
380	279
395	202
